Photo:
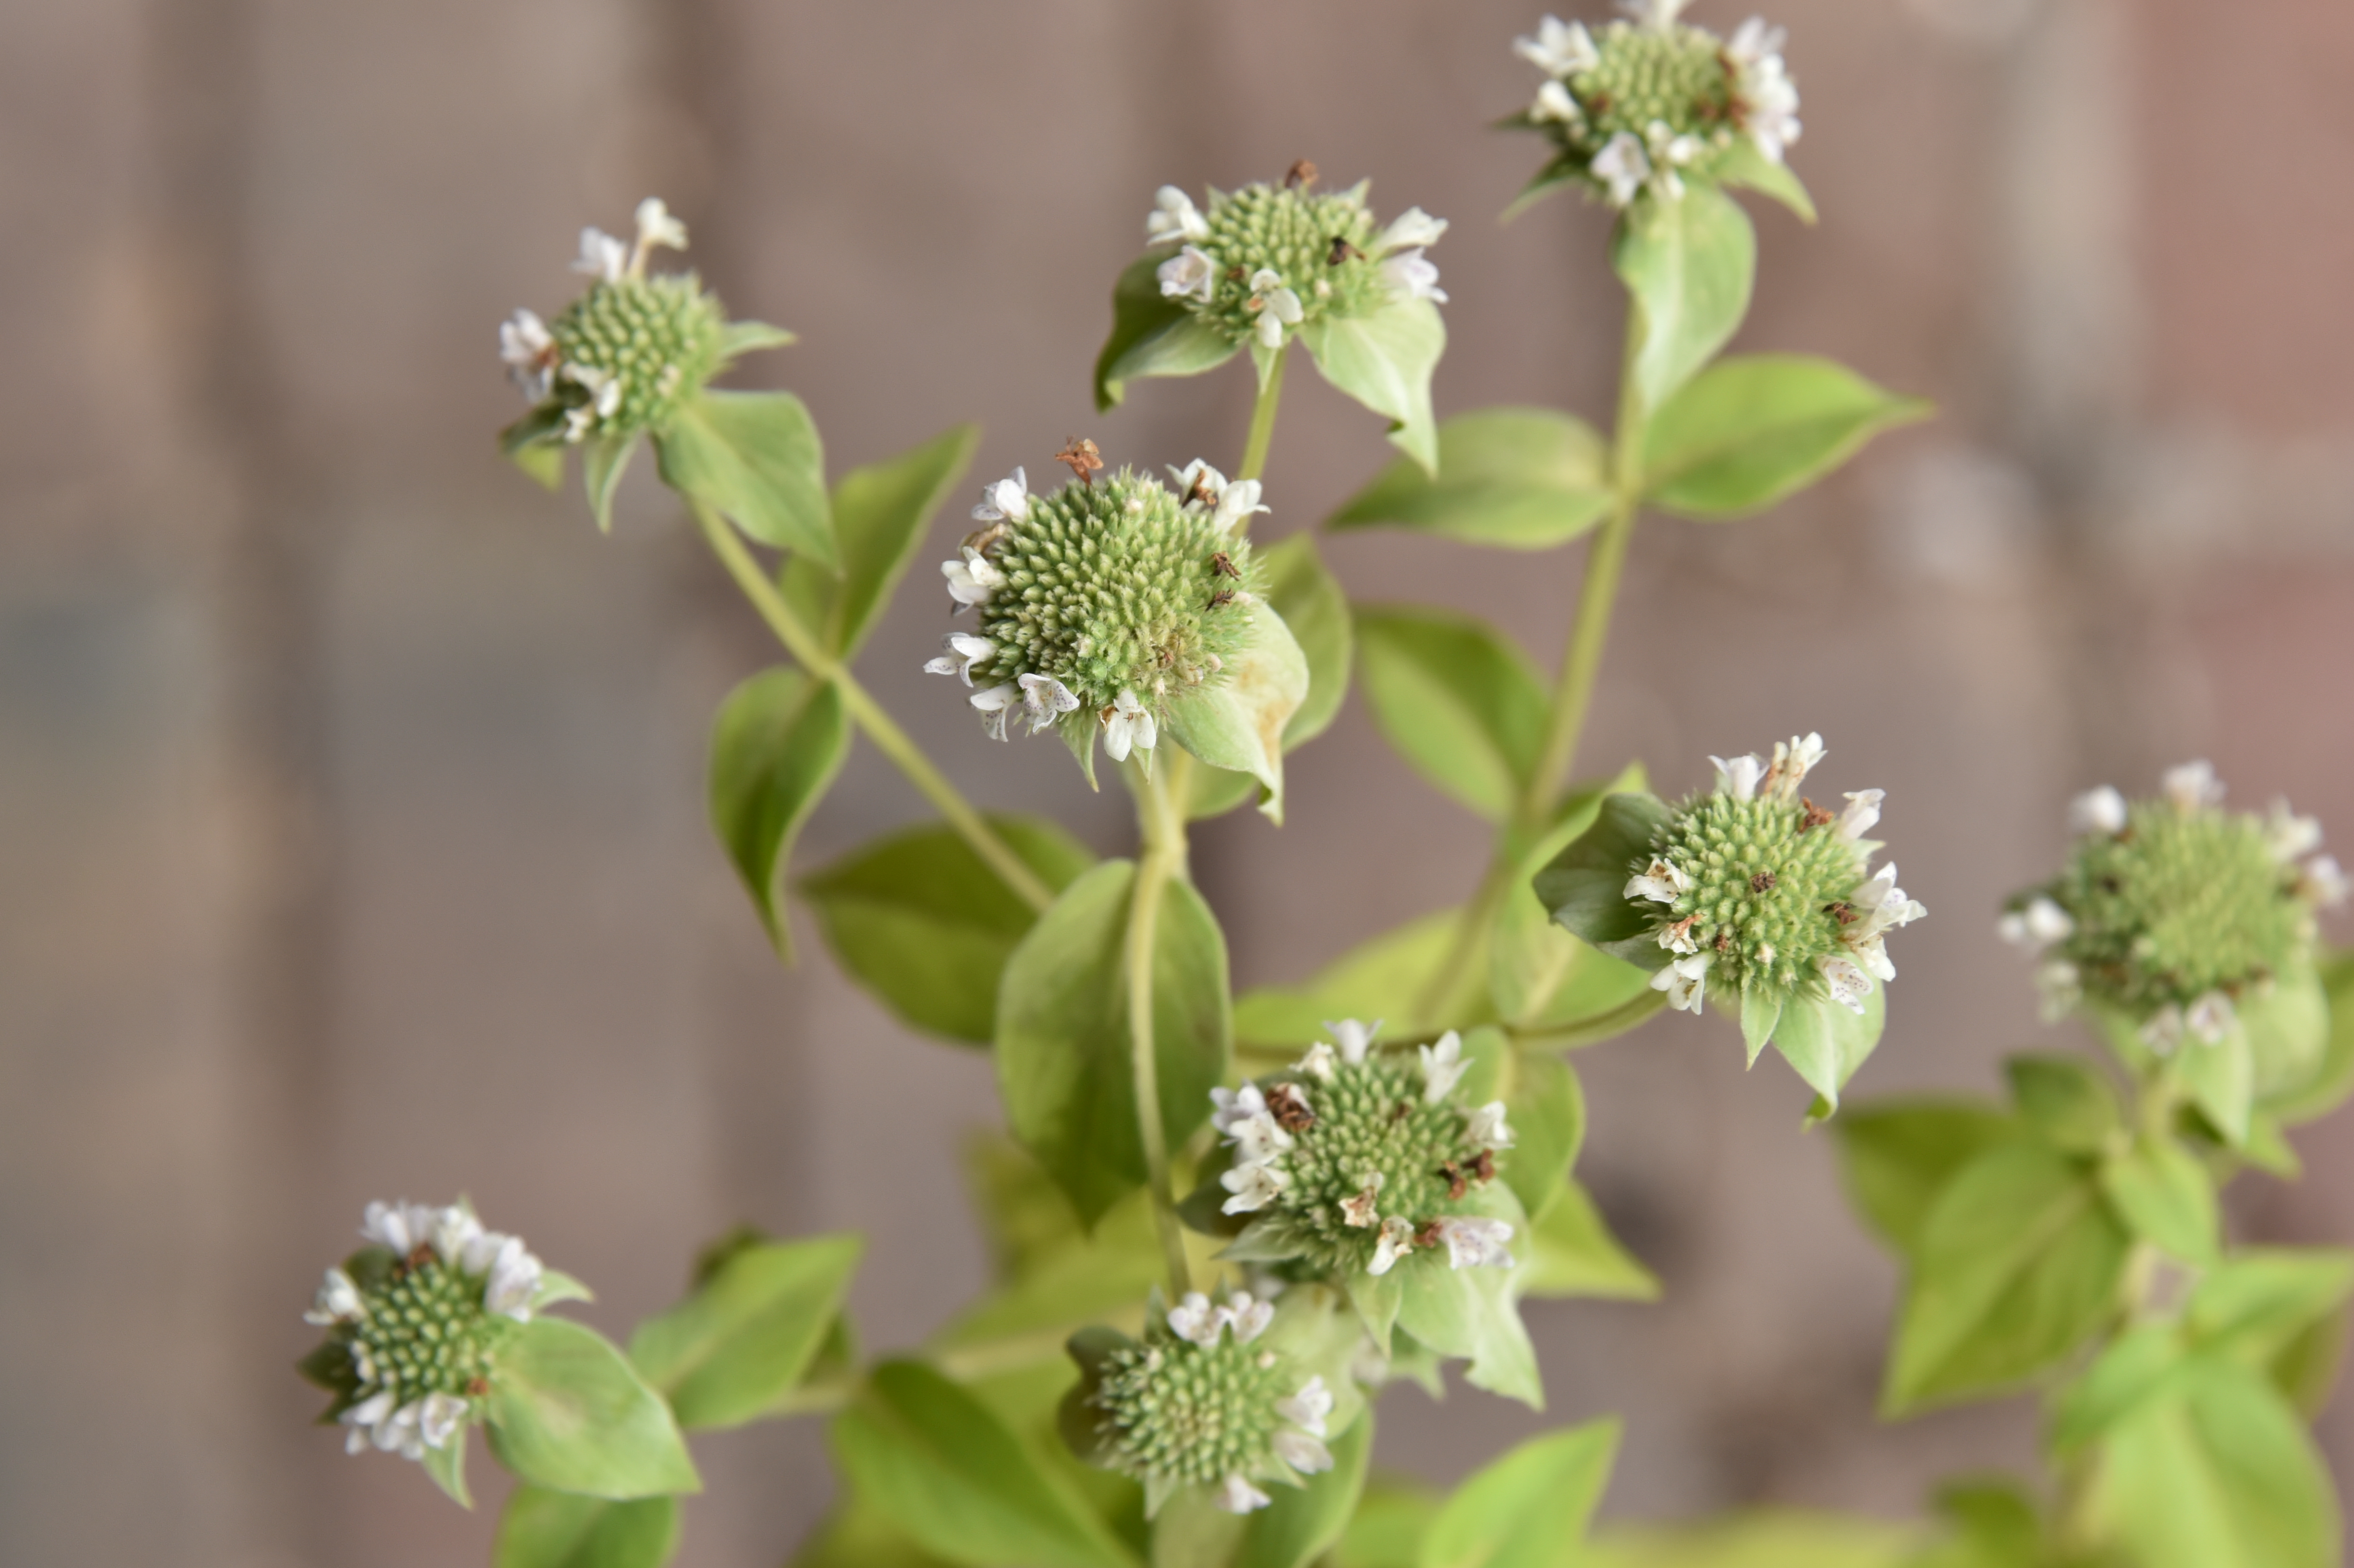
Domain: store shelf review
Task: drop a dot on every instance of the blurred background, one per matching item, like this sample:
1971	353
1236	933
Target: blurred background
353	839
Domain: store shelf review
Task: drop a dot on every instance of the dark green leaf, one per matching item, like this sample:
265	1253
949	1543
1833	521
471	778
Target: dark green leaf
542	1529
2166	1198
776	748
1152	335
568	1412
1457	700
1572	1253
1533	960
1384	361
1063	1051
1898	1156
2067	1101
728	1353
1529	1508
1521	479
925	924
1749	430
1689	265
880	515
1586	885
754	457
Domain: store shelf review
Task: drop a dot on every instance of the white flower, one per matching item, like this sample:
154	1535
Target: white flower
1302	1452
1487	1127
1253	1187
2097	810
1191	274
1768	99
601	256
1195	1320
403	1228
1237	501
971	579
994	703
2289	836
1046	699
1412	276
1862	812
1353	1038
2037	926
963	653
1473	1241
1881	906
1410	229
1235	1107
1174	217
1249	1317
1442	1066
1128	724
1669	152
1754	41
338	1300
1659	14
1662	882
1623	165
655	227
1396	1241
1257	1139
1307	1409
529	353
440	1415
1007	501
1559	49
1275	306
1361	1210
2162	1032
455	1232
1555	102
1793	760
1848	985
2212	1018
1318	1062
1237	1495
1198	484
1677	937
514	1277
2058	987
1685	981
2320	883
364	1419
2192	785
1739	778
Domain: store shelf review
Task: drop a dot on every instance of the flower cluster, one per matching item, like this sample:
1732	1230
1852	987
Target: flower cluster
1195	1404
1266	260
1651	102
1755	885
623	356
1357	1158
1103	603
2170	910
415	1322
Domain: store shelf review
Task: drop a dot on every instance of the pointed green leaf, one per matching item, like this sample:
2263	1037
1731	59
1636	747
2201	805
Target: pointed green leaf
1316	612
2166	1198
1063	1049
1744	165
2258	1303
1384	361
739	338
1572	1253
742	1342
881	512
569	1412
2067	1101
1474	1312
2332	1078
447	1466
542	1529
1828	1043
755	458
1751	430
1586	885
1534	960
1529	1508
1689	265
776	748
1240	724
604	459
2222	1077
1152	335
1388	978
1897	1157
1761	1010
1546	1111
1518	479
1457	700
924	923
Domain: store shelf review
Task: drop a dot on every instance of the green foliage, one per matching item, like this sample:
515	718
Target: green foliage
1310	600
1770	1538
777	745
1586	885
754	457
736	1347
1384	361
1518	479
2067	1101
1302	1523
1529	1508
1572	1253
1474	1313
1749	430
1539	974
2333	1074
880	515
1387	978
1242	723
1457	700
2166	1198
1898	1157
1063	1047
543	1529
1152	335
1687	266
1546	1111
570	1413
923	923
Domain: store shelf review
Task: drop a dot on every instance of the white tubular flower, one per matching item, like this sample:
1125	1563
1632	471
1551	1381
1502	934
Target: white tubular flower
2162	1032
1191	274
1553	104
1881	906
1237	501
1128	725
1487	1126
1662	882
1657	15
964	651
1198	484
1412	276
602	256
1669	152
1007	501
1275	304
1475	1242
2192	785
2289	836
1848	984
514	1277
1302	1452
1559	48
1442	1066
1174	217
1410	230
2058	987
403	1228
1739	778
1235	1106
1863	813
1046	699
1254	1188
1319	1062
338	1301
529	353
1624	166
2210	1018
1257	1139
1793	760
1308	1408
971	579
1195	1320
1237	1495
655	227
1353	1038
2320	883
1248	1316
1768	99
1685	981
994	705
437	1416
456	1233
2037	926
363	1419
2097	810
1396	1241
1677	937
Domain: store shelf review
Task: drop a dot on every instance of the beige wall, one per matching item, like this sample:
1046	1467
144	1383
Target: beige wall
352	839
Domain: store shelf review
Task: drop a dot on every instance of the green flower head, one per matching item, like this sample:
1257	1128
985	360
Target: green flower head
2170	911
1645	104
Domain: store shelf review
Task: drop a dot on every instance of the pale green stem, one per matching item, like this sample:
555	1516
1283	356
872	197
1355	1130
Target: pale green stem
1262	425
1161	814
866	712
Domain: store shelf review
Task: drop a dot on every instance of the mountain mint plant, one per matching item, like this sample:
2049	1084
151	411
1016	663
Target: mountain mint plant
1335	1207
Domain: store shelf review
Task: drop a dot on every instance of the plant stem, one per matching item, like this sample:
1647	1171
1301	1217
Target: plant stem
865	712
1262	425
1160	815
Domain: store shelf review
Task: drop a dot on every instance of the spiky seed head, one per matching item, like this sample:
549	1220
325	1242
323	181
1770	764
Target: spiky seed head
656	339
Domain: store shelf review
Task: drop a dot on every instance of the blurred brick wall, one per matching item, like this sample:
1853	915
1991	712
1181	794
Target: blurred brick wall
352	839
